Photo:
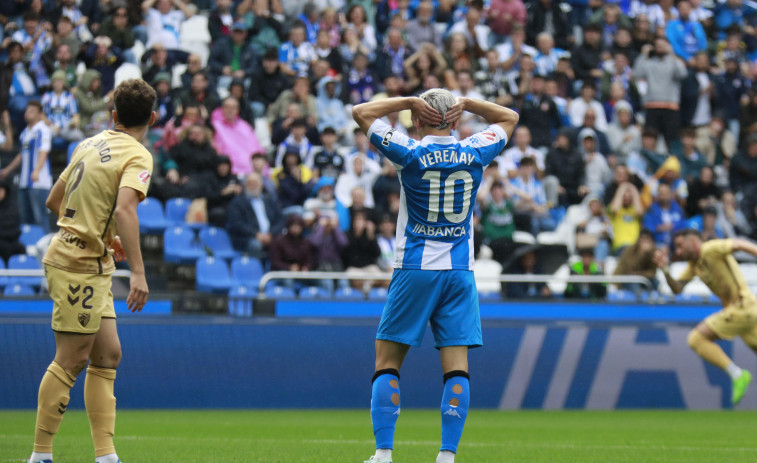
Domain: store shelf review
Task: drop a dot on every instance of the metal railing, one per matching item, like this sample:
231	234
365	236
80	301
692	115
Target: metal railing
41	273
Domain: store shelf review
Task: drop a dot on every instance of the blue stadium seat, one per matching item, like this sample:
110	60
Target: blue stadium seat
19	290
246	271
213	275
3	279
377	294
279	292
24	262
489	296
180	246
176	210
152	220
71	148
240	300
218	241
621	295
695	298
30	234
348	293
713	299
314	292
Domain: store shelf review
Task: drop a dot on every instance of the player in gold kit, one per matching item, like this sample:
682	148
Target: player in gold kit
95	197
713	262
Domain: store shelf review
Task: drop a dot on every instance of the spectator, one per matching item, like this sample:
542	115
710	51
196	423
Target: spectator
193	157
298	142
282	127
743	170
579	106
362	175
61	59
624	137
691	160
331	111
158	59
669	173
546	15
586	266
503	16
531	201
547	55
357	21
362	252
327	161
598	173
325	51
360	83
731	218
254	219
476	33
260	166
165	102
460	57
717	144
35	179
586	59
390	59
526	263
36	41
387	186
200	95
175	126
427	60
509	52
623	43
18	87
611	20
663	216
466	88
61	110
698	93
590	122
65	35
292	180
116	28
685	34
540	114
732	90
497	220
265	29
491	81
194	65
647	160
330	24
625	212
267	84
222	188
232	57
662	73
296	54
234	137
597	228
619	72
564	183
237	89
221	21
10	226
93	106
164	22
300	94
509	161
325	204
291	251
637	260
85	14
421	30
387	241
329	241
731	13
706	223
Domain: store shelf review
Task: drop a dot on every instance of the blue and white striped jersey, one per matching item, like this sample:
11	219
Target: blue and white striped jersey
35	140
440	177
59	109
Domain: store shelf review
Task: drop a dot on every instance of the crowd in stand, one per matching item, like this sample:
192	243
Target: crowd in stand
640	111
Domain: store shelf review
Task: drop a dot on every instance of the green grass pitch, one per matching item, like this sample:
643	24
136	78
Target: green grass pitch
345	436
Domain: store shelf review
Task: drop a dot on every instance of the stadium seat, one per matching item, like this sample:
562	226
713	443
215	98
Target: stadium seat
218	241
314	292
377	294
489	296
246	271
176	211
279	292
240	300
523	237
24	262
19	290
213	275
689	298
195	38
348	293
152	219
621	295
30	234
127	71
3	279
71	148
180	246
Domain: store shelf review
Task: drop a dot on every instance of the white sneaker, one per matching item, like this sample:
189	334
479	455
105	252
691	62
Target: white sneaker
373	459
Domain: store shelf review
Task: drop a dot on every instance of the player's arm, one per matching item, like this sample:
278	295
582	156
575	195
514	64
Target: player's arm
491	112
55	198
128	231
366	113
661	260
744	245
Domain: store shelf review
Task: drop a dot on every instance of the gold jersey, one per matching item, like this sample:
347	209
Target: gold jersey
718	269
99	168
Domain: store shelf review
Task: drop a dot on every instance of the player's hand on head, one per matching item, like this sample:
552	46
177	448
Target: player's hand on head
454	113
138	292
426	113
118	250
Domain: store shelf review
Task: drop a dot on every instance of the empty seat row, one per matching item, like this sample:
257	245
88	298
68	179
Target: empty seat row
182	246
154	219
20	262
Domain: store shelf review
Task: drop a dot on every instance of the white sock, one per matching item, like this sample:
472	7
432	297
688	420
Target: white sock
445	456
733	371
383	454
109	458
38	456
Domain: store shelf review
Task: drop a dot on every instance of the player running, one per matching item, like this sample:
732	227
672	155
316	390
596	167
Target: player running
714	264
433	276
95	196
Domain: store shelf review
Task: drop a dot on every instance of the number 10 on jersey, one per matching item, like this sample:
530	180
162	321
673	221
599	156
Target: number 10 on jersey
435	193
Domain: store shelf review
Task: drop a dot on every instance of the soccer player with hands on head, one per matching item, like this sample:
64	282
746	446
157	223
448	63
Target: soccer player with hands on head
433	268
713	262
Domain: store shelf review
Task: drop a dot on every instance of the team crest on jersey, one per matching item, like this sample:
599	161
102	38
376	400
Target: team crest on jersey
83	319
387	137
144	177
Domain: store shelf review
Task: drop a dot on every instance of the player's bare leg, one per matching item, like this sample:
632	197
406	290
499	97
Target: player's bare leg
71	355
455	400
385	397
98	390
702	341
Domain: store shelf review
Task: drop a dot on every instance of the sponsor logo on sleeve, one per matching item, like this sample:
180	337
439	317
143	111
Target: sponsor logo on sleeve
144	177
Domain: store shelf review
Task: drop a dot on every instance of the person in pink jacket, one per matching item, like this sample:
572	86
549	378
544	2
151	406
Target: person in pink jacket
234	137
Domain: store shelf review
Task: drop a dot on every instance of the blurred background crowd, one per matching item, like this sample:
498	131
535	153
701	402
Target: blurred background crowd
638	118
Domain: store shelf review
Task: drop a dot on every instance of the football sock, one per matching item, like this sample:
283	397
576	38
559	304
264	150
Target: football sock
383	454
109	458
39	456
733	371
51	405
455	402
385	407
445	456
101	408
708	350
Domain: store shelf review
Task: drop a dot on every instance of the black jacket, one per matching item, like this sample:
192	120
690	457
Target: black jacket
243	223
222	53
585	59
537	18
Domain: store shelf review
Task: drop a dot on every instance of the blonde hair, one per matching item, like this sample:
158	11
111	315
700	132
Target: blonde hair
441	100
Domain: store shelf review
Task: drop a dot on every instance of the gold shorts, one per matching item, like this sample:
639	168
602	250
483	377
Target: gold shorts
80	300
736	320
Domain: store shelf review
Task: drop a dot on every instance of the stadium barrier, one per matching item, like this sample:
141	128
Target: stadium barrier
227	362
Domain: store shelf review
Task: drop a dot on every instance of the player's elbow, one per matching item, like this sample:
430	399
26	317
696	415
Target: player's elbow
124	214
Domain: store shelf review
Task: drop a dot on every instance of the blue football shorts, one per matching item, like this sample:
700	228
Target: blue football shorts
446	298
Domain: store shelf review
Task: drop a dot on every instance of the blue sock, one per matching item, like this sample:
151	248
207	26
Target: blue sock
455	403
385	406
